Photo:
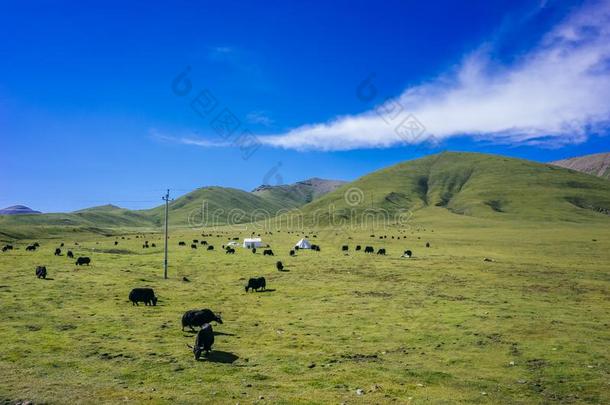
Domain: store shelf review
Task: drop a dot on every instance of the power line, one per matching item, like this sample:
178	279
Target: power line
166	199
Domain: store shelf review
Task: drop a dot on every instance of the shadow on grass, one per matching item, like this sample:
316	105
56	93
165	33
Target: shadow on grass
268	290
217	356
223	334
284	270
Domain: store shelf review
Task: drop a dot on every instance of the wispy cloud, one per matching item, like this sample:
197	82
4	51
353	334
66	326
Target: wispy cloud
259	117
555	94
187	140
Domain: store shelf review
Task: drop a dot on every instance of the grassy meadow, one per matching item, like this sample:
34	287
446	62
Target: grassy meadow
531	326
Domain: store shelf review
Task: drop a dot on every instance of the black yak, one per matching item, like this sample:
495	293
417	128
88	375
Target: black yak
57	252
211	247
193	246
203	341
407	253
41	272
381	251
279	266
427	244
30	248
256	283
369	249
83	260
358	247
229	251
181	243
145	295
267	252
344	248
199	317
291	253
70	255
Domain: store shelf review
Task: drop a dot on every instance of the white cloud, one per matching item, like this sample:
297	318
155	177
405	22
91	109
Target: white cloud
259	117
555	94
187	140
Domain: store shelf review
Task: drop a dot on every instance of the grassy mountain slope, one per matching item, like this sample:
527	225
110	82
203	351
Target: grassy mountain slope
476	185
219	205
299	193
596	165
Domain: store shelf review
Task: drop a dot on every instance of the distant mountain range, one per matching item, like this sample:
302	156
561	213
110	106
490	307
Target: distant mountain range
18	210
299	193
213	204
596	165
466	184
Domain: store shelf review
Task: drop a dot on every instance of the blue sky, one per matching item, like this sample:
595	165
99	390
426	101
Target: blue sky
92	110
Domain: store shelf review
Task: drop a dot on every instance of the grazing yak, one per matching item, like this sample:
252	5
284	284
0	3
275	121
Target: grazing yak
344	248
181	243
230	251
116	242
381	251
41	272
70	255
254	250
195	240
199	317
153	245
193	246
203	242
358	247
256	283
315	248
211	247
369	249
279	266
407	253
83	260
267	252
30	248
57	252
203	341
145	295
291	253
427	244
36	244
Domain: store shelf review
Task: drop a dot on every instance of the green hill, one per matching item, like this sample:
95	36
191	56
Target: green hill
472	184
215	205
299	193
466	184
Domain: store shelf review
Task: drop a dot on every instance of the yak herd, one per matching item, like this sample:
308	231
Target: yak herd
197	318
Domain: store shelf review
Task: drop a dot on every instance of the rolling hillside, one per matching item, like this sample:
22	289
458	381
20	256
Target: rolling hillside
219	205
475	185
596	165
466	184
299	193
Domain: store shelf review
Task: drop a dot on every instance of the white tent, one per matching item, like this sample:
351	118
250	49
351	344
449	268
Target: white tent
303	244
232	243
250	243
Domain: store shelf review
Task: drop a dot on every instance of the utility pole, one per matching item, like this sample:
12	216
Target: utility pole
166	199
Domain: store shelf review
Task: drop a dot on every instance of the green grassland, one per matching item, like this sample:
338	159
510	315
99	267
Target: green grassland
443	327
